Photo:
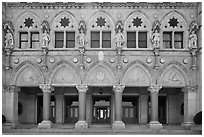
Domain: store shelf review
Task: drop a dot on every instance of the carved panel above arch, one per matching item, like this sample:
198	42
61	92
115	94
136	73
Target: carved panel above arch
64	76
100	76
135	76
28	77
172	77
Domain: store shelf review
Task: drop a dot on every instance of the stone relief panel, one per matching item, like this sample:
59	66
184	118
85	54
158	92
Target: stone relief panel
64	76
135	76
100	76
28	77
172	77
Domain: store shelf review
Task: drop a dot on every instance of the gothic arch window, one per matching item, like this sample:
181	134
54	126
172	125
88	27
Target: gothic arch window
173	29
101	31
137	29
28	32
64	31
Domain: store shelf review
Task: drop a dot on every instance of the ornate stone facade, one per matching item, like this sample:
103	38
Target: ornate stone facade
135	45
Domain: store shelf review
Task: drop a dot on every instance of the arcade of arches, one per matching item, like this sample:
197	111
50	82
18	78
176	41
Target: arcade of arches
88	64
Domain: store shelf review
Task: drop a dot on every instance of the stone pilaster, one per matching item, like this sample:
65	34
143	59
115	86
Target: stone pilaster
46	89
189	105
154	123
118	123
12	105
82	124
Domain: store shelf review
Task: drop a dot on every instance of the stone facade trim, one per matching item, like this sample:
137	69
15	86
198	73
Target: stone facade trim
12	88
73	5
46	88
154	88
118	88
82	88
188	89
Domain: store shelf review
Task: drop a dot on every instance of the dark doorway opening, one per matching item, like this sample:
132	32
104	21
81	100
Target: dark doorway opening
71	104
101	109
130	109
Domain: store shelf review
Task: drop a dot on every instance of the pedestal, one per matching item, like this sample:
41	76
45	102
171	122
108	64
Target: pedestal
155	125
118	125
45	124
81	125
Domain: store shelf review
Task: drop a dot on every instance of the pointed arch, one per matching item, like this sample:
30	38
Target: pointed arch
144	19
136	74
27	14
64	74
100	74
27	74
173	75
72	25
101	13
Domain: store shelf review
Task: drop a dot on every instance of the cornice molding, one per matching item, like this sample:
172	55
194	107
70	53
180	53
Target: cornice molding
98	5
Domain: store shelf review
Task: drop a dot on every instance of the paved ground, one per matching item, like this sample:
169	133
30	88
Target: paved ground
99	129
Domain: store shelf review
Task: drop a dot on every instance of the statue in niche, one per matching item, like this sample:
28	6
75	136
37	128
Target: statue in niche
192	36
119	39
82	38
9	39
155	38
45	35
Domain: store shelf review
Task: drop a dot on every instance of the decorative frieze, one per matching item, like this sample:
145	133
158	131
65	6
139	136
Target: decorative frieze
73	5
154	88
46	88
12	88
118	88
82	88
188	89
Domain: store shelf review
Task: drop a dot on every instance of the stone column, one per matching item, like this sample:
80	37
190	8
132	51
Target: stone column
46	89
154	123
118	123
189	105
12	105
82	124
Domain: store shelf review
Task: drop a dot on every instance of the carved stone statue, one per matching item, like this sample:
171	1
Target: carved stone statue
9	39
119	38
192	40
82	38
155	38
45	35
192	36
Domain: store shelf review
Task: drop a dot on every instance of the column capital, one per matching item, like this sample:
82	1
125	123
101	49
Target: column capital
46	88
192	89
118	88
82	88
12	88
154	88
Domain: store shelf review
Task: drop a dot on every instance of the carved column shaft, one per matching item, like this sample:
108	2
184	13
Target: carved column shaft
8	53
156	53
189	104
12	104
46	89
154	90
194	58
82	101
118	90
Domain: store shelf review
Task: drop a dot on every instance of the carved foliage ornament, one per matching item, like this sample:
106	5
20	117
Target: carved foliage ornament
46	88
154	88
